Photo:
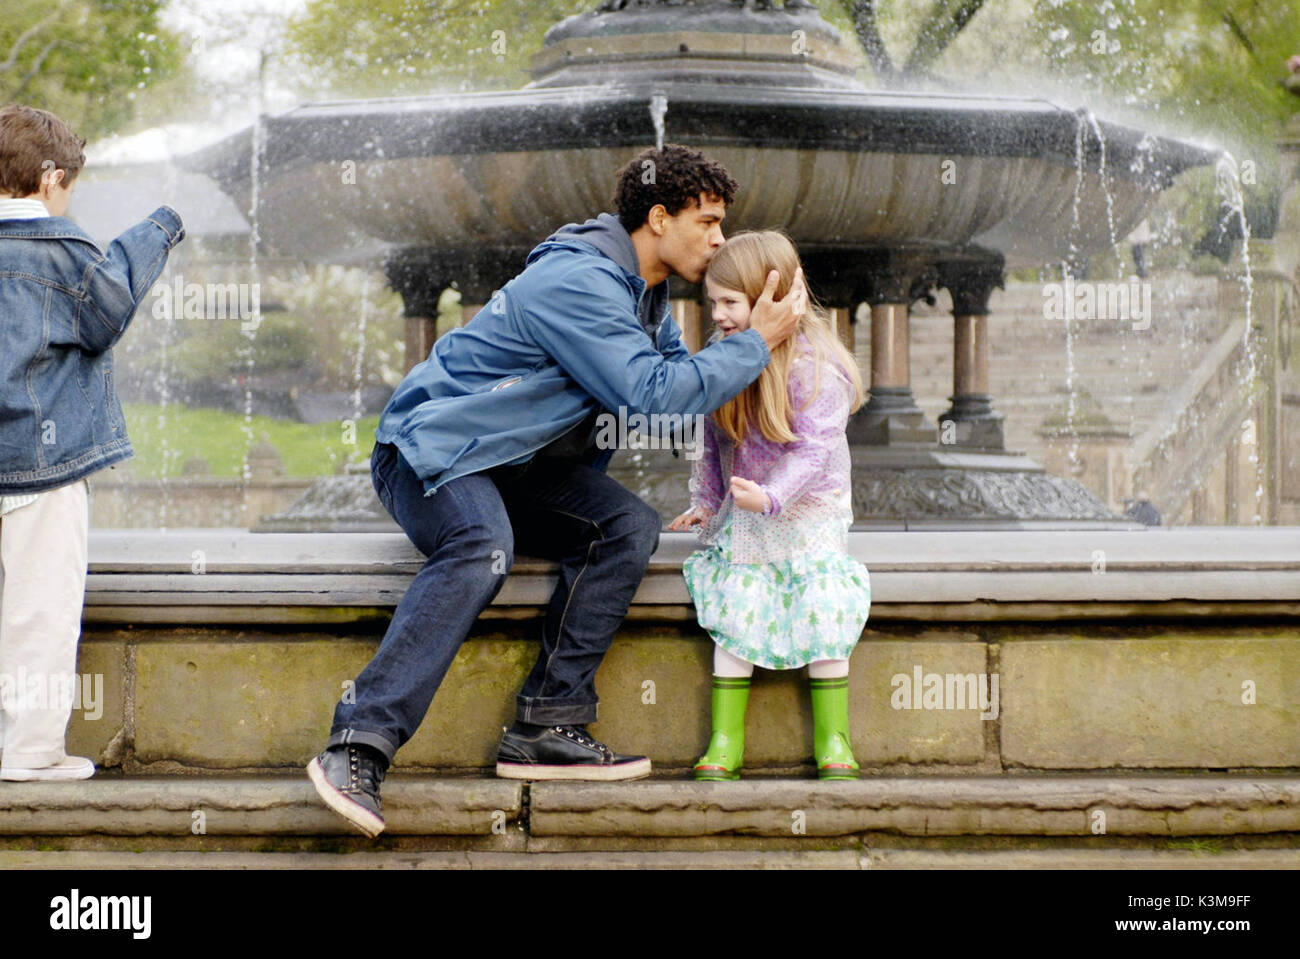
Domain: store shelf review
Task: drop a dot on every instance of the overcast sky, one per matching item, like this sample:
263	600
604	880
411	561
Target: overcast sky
228	32
225	51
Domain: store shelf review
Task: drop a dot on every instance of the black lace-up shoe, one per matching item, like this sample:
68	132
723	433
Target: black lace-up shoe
348	778
563	752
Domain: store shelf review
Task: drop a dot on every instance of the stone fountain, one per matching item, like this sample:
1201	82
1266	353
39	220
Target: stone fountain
888	195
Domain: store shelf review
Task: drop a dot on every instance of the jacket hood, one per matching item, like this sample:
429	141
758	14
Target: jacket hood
608	235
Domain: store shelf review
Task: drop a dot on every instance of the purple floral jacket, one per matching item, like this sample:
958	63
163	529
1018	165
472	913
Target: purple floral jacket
807	480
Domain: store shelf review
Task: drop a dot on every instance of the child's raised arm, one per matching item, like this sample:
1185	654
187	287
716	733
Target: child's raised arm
117	284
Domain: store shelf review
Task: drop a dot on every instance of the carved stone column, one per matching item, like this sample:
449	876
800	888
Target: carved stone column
691	321
843	318
892	282
974	421
408	276
835	278
421	274
421	331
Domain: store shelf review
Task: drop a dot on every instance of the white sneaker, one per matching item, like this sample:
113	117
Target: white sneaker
70	767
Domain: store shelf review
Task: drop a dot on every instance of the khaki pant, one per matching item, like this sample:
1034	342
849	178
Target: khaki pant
42	592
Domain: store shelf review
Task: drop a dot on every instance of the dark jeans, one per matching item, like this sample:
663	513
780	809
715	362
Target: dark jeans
601	534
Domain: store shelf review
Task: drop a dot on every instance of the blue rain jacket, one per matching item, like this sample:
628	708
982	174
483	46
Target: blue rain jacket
576	333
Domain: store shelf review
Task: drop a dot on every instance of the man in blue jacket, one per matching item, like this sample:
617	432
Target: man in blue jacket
488	447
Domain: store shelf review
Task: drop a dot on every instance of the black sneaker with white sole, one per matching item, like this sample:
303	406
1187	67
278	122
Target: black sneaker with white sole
347	778
563	752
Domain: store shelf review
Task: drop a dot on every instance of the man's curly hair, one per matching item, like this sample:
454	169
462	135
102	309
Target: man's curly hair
674	176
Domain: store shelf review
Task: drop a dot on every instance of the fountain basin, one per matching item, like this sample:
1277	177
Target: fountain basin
491	174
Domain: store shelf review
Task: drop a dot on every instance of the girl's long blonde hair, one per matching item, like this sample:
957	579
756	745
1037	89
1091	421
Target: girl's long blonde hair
742	264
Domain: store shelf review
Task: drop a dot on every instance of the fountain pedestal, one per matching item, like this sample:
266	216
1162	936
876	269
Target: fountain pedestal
334	504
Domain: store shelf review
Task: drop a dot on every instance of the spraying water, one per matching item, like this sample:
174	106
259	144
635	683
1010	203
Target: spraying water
1114	241
250	334
165	339
249	328
1101	175
1067	269
361	348
1227	178
658	109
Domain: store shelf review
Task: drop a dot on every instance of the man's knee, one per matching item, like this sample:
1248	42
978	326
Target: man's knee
478	541
639	527
486	545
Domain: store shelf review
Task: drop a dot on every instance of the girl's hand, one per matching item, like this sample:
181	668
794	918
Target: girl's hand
749	495
688	520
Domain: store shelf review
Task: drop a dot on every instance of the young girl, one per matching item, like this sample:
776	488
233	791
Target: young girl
770	496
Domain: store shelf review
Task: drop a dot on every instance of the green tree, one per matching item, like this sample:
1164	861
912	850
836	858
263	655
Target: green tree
932	32
395	47
85	60
1214	65
1208	69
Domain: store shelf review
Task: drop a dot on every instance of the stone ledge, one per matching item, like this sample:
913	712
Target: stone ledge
1048	806
246	806
1183	547
468	859
414	806
232	576
846	859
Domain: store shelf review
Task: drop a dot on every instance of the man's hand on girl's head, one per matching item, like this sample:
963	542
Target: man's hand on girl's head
774	319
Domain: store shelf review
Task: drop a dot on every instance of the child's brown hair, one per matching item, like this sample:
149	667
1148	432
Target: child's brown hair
32	143
742	264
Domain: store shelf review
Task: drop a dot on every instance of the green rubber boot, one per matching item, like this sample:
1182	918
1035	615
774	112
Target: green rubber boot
830	703
726	749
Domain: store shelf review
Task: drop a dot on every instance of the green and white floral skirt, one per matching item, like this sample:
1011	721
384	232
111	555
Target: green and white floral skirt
779	615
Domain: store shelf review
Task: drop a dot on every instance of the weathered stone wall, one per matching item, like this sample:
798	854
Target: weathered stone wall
1093	695
1124	650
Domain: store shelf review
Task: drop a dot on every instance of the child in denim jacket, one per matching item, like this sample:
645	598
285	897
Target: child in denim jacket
63	305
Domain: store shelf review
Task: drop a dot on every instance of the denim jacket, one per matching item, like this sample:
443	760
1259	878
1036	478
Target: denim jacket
63	305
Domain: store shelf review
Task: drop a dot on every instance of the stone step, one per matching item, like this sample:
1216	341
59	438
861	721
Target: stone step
280	805
506	816
1204	857
922	806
